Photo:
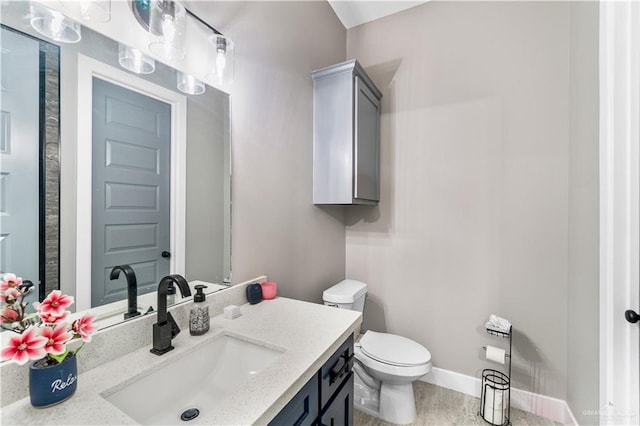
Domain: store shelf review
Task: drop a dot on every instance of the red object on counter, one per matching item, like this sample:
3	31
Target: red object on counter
269	289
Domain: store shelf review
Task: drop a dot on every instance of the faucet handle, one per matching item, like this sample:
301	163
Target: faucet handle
174	325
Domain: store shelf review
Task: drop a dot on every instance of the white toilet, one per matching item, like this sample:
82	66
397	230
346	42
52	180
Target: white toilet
386	364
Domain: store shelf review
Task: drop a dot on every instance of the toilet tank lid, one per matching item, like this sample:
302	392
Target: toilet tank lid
346	291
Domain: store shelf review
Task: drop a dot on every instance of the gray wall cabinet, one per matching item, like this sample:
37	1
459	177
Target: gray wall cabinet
346	136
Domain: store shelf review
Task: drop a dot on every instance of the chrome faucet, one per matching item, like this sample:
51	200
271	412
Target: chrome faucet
166	328
132	288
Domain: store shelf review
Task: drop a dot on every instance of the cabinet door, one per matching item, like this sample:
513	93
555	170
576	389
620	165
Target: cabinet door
366	183
303	408
340	411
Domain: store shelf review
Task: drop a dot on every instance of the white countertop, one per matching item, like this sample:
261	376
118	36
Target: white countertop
308	332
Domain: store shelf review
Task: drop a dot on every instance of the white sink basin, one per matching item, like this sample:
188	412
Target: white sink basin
200	379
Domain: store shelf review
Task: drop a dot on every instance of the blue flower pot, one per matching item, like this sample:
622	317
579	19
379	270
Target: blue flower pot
50	385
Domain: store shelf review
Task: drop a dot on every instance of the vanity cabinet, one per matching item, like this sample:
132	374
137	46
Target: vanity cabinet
327	398
346	136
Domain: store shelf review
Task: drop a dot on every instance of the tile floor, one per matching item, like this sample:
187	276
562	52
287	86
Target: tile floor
440	406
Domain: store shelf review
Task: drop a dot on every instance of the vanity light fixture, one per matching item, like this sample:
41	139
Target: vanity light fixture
167	27
156	15
134	60
189	84
91	10
53	24
221	50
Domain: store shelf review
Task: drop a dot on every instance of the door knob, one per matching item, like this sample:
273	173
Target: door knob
631	316
166	254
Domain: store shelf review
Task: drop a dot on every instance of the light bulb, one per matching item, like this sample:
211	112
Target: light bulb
134	60
168	28
137	59
221	63
56	24
84	7
90	10
167	25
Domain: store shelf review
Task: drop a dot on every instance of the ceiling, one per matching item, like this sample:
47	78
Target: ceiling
355	12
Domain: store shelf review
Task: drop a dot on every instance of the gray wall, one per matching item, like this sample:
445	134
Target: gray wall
277	231
207	185
583	287
474	217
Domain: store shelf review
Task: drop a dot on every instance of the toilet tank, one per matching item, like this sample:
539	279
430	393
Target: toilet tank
347	294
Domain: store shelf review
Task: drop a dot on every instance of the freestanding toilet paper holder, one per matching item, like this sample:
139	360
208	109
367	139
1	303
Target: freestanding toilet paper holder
495	397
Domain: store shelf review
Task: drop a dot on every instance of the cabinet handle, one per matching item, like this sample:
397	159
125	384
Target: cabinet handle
344	364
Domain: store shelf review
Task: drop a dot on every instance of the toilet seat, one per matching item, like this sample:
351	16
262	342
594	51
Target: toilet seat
394	350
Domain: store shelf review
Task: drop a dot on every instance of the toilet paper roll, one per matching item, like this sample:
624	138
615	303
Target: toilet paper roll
494	410
495	354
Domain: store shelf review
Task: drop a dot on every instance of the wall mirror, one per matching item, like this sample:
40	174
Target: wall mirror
123	168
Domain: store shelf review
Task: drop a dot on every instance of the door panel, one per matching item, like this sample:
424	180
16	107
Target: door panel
133	157
131	189
340	411
366	144
130	196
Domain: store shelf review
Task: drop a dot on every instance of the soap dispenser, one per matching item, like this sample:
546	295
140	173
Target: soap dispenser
199	315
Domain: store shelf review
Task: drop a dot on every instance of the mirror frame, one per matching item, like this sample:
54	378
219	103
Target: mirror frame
49	165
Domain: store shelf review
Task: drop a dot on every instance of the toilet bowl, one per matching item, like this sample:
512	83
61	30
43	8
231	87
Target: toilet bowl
386	364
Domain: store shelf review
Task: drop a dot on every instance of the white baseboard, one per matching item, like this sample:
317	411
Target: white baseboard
540	405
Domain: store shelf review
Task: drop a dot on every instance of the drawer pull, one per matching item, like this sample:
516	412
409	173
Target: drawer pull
342	366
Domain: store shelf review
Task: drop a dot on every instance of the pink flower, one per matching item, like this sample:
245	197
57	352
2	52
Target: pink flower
51	318
84	327
10	295
10	281
26	346
54	304
56	338
9	316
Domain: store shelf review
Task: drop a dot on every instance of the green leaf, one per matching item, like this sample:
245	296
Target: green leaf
61	357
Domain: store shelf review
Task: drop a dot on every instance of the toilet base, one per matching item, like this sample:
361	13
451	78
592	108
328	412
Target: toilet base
391	403
397	403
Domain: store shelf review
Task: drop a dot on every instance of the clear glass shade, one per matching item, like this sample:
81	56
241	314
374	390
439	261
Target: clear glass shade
134	60
221	52
53	24
91	10
167	27
189	84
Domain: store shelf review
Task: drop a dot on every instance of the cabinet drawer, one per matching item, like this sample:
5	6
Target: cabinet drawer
303	409
336	370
